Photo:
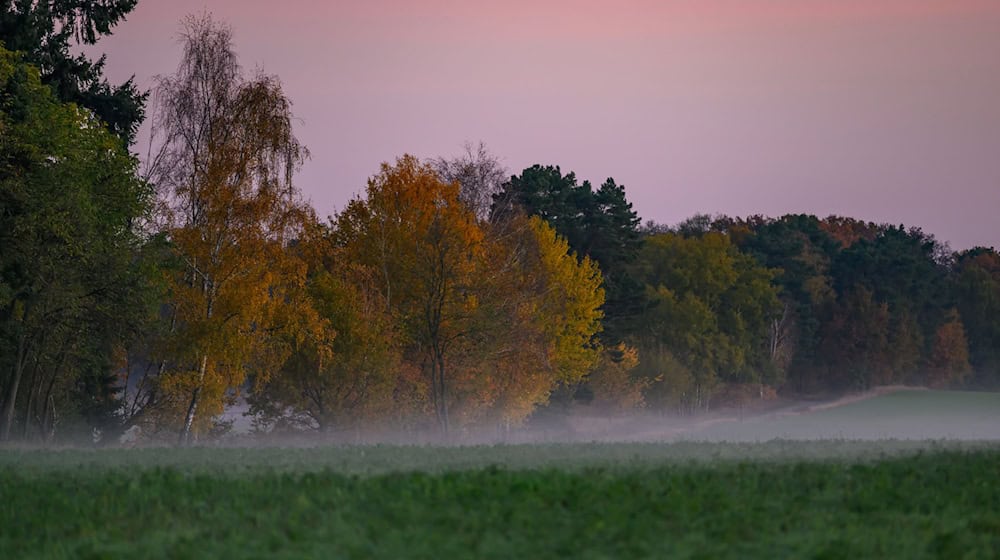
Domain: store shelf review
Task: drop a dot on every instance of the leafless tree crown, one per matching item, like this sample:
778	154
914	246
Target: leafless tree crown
213	129
479	173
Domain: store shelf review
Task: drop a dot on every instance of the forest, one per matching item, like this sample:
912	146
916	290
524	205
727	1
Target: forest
450	295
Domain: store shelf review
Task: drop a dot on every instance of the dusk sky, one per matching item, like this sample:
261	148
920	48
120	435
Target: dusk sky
882	110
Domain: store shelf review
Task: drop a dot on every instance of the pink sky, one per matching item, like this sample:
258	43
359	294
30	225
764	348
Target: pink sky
886	111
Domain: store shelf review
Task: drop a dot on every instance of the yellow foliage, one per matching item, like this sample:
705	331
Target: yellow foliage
614	387
493	315
570	311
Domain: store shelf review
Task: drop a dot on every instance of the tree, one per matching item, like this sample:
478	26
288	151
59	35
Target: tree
977	291
801	251
480	176
710	307
227	156
907	271
598	224
424	242
854	348
348	376
71	291
495	315
900	267
848	231
949	358
45	31
612	383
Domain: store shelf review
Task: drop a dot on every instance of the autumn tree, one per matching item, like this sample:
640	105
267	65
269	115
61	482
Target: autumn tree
848	231
612	383
948	363
349	374
225	161
494	317
424	243
541	310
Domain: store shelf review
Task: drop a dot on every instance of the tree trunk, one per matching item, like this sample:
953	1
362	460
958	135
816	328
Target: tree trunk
185	437
442	399
7	416
49	429
28	406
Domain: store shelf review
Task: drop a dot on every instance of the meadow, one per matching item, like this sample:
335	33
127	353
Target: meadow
825	498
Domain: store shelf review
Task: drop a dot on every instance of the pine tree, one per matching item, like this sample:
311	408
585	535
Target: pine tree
46	30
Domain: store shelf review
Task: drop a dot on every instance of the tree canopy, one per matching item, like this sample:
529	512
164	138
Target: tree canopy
70	287
445	297
44	31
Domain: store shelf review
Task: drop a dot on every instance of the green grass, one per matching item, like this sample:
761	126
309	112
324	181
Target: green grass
383	459
835	499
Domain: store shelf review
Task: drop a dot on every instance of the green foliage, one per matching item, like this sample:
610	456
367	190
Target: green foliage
977	290
902	268
46	30
865	303
710	307
799	248
598	224
73	291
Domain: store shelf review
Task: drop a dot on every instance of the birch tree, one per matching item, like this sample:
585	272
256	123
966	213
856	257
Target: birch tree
225	159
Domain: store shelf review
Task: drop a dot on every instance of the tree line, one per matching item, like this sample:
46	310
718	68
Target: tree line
450	295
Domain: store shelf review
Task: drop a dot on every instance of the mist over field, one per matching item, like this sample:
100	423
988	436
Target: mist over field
912	414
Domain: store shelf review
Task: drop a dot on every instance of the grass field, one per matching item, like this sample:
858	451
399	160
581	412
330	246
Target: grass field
783	498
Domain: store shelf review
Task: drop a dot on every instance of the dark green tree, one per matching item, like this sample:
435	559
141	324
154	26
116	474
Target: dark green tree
855	342
71	287
599	224
797	246
902	267
977	291
45	31
710	308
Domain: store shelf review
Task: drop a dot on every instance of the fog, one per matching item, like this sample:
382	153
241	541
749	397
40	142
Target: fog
894	413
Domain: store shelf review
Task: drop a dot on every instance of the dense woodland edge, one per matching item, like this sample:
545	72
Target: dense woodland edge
147	297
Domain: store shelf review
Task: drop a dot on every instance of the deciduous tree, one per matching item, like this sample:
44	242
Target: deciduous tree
478	172
949	358
225	162
424	242
711	307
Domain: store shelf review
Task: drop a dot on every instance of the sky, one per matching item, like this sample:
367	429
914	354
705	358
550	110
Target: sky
886	111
